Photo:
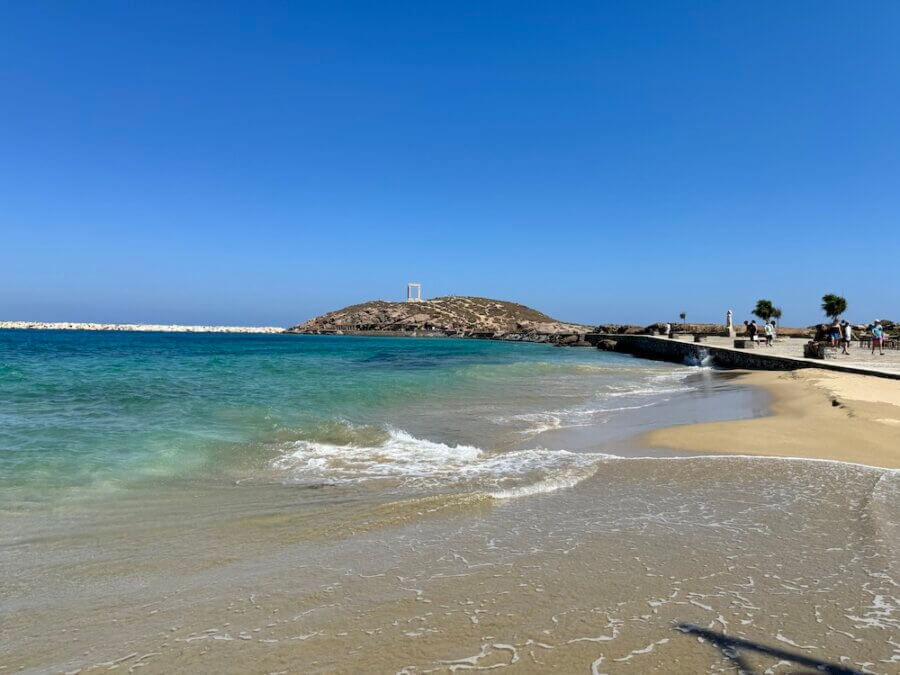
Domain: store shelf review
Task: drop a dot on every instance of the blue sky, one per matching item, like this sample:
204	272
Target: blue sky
260	163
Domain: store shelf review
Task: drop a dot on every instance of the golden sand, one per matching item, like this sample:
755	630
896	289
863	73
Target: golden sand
816	414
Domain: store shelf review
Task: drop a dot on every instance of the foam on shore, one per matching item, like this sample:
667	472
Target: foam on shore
417	461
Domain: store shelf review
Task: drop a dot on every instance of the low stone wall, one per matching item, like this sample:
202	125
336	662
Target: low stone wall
135	327
678	351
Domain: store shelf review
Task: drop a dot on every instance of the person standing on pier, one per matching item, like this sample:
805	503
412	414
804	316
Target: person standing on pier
847	330
878	338
837	333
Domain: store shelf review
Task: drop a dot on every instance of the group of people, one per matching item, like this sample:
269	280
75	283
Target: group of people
840	333
752	331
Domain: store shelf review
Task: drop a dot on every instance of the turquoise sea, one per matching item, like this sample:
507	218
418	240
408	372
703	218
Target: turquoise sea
89	411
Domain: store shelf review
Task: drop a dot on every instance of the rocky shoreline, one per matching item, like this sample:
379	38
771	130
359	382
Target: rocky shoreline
140	327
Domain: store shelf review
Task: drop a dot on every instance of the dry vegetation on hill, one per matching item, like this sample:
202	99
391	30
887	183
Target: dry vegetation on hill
457	316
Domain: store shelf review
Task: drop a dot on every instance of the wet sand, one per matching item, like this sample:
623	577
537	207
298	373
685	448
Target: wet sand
795	555
816	414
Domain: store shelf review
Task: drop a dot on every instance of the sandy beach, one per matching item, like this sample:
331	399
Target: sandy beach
816	414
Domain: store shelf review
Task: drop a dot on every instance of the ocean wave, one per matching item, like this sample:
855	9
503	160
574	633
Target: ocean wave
415	460
567	479
649	392
538	422
532	368
552	368
565	418
616	392
680	374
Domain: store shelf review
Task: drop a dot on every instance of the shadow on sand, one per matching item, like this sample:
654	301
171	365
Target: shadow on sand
731	647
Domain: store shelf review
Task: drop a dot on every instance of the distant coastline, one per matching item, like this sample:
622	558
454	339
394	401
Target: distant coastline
140	327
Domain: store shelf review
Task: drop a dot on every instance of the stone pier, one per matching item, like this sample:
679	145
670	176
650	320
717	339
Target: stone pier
678	351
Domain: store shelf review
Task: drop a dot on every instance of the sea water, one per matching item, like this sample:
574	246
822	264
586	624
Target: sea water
87	410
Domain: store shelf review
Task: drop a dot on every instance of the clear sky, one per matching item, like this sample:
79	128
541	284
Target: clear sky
263	162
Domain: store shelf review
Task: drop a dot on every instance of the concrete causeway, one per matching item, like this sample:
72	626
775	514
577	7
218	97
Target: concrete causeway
723	355
137	327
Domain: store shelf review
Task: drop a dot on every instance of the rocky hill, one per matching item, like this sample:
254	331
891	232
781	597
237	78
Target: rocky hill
450	316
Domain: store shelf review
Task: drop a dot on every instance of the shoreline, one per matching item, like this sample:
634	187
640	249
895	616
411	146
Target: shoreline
710	396
814	414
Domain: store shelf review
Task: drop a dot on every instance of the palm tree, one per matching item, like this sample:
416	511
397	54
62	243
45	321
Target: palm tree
833	305
766	310
683	316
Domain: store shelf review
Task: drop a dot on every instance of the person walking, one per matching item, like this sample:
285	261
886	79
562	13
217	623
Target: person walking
751	330
836	333
847	336
770	335
878	338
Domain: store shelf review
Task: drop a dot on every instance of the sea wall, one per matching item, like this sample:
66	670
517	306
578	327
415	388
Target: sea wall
678	351
140	327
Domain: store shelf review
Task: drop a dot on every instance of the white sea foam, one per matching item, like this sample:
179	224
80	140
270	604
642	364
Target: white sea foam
567	479
887	472
557	417
648	388
645	391
539	422
503	475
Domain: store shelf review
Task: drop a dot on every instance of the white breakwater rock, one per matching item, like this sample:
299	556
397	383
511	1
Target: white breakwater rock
147	327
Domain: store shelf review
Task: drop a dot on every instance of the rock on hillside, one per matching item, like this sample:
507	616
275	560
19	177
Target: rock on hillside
450	316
